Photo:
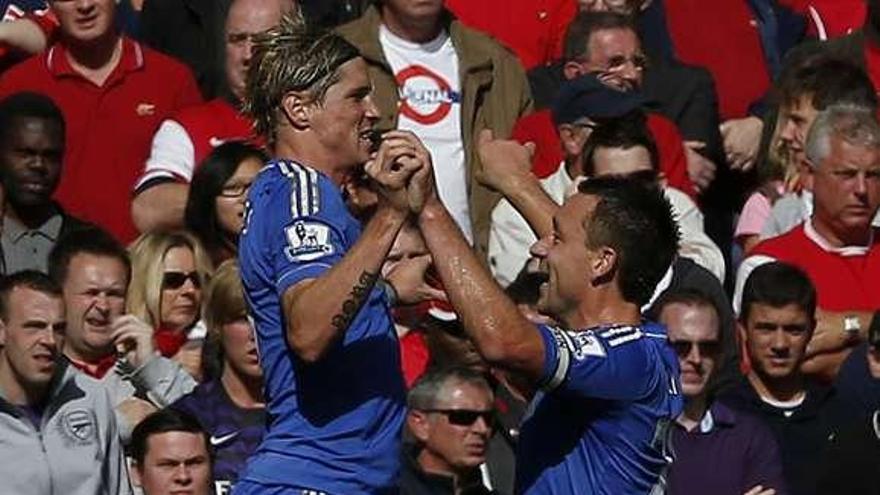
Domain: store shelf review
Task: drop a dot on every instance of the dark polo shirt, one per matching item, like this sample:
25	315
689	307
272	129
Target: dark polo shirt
729	452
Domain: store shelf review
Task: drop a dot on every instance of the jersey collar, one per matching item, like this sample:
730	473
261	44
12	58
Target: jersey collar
820	241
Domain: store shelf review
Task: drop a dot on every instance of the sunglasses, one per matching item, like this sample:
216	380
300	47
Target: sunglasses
465	417
175	280
684	347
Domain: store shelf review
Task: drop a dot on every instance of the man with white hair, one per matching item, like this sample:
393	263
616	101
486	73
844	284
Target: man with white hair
836	246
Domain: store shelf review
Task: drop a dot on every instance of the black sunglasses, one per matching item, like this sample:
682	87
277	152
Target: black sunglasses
683	347
466	417
175	280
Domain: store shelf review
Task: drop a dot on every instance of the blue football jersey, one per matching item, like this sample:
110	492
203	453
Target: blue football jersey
601	423
333	426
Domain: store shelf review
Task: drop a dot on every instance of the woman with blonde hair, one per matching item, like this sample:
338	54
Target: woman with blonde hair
169	270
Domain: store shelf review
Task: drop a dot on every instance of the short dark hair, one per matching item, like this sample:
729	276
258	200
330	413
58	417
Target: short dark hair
687	297
828	81
425	391
582	27
624	132
635	219
164	421
778	285
28	279
91	240
28	104
207	183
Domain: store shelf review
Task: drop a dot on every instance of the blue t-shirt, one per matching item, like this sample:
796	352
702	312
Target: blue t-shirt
334	425
601	423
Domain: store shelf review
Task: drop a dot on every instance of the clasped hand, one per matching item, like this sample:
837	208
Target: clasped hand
402	172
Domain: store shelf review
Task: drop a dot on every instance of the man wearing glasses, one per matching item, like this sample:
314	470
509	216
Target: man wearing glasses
717	449
451	418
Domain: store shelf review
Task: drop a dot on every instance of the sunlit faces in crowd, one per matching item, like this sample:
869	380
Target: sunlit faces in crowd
94	296
32	327
694	332
171	455
85	21
452	420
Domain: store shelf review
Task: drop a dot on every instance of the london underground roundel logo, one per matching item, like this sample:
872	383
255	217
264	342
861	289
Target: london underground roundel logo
425	96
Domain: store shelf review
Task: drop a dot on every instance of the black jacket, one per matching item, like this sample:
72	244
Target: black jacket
415	481
808	436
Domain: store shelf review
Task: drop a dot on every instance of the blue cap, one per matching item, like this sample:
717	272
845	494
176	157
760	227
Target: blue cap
586	96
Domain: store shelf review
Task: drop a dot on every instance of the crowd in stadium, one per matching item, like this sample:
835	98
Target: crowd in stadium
427	247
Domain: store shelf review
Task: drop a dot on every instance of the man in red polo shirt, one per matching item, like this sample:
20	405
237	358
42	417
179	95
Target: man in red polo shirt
113	92
532	29
187	137
836	246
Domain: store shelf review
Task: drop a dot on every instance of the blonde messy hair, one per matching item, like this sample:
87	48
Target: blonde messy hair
293	56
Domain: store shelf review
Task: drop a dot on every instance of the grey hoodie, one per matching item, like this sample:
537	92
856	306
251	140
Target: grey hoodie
76	450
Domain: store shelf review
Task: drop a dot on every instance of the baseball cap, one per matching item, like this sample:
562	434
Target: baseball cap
586	96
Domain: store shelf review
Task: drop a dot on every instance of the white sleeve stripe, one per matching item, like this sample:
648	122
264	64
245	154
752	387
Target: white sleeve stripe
313	183
611	332
625	338
304	191
562	363
286	170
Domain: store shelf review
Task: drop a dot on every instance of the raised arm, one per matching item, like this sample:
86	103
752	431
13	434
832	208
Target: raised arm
507	169
500	333
319	310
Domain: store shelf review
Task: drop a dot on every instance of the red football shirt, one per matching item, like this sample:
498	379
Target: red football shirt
846	279
722	37
188	137
533	29
109	127
538	128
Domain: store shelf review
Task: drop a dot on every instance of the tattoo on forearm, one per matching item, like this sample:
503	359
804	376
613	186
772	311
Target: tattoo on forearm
355	298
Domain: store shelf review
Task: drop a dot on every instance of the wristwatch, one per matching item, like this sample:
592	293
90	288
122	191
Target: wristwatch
852	327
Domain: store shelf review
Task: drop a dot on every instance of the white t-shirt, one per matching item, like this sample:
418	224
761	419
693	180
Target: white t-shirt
429	87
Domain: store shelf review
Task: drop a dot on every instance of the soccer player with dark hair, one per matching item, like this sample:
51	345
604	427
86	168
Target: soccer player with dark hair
605	383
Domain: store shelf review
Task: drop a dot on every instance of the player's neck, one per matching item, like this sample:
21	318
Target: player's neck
308	153
777	389
603	308
244	392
